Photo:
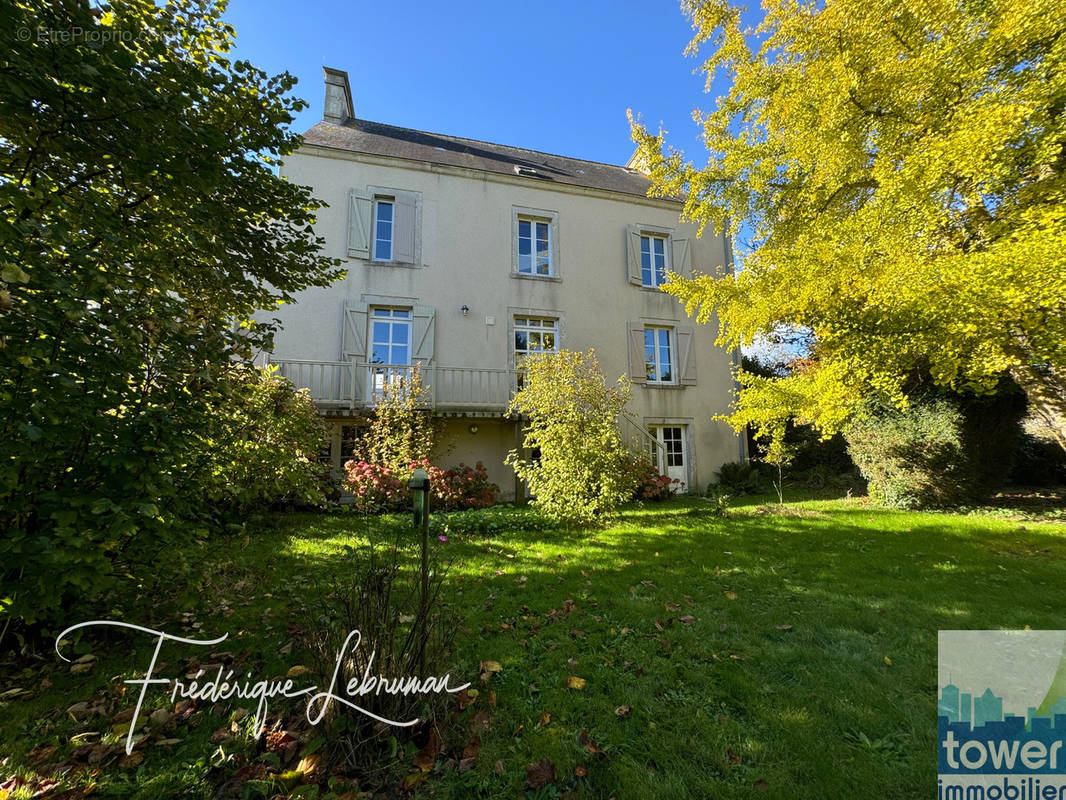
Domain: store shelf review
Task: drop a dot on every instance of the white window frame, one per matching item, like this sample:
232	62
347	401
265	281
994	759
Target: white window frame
671	349
535	217
378	375
379	201
656	276
534	324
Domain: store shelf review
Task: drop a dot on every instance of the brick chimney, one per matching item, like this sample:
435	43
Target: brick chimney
338	108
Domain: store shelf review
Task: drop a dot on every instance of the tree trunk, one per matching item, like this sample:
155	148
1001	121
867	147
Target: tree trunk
1046	391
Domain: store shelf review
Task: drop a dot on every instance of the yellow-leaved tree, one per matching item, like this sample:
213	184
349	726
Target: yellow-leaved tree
901	166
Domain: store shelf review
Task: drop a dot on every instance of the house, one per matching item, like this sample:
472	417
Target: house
464	255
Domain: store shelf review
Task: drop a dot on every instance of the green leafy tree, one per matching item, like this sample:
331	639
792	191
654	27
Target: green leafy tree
142	223
900	166
402	429
570	415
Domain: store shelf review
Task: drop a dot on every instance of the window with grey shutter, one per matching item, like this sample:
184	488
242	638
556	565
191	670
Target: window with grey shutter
358	224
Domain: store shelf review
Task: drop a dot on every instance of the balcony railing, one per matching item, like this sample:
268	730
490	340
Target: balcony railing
351	385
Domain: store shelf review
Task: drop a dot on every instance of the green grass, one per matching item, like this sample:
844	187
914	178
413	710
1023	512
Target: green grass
777	652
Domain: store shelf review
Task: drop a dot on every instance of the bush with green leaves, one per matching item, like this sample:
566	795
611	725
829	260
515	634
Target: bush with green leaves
262	448
570	416
739	477
915	458
143	226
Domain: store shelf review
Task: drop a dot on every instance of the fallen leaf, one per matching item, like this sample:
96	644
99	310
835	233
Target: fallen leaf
545	718
587	742
687	619
572	663
574	682
297	671
579	634
672	607
499	768
723	628
580	771
623	711
427	756
730	595
733	757
539	774
784	627
491	666
888	661
480	722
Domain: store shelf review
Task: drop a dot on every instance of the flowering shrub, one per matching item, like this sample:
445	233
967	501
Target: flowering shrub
378	489
461	487
375	488
647	483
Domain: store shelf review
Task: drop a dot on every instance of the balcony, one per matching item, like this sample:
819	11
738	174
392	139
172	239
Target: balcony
346	385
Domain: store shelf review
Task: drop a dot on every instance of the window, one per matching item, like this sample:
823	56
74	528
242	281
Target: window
653	265
383	226
658	355
651	251
533	335
390	347
534	247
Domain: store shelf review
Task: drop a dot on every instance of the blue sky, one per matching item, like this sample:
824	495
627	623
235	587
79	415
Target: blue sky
551	76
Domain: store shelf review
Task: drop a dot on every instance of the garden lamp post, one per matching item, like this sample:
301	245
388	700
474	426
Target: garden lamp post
419	486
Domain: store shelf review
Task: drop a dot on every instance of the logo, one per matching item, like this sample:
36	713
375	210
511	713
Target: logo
1001	715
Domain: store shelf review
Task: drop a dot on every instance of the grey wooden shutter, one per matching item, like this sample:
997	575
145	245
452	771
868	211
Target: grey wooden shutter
425	318
354	346
686	356
633	255
638	371
358	224
405	228
681	257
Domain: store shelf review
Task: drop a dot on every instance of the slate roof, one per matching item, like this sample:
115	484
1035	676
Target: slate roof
376	138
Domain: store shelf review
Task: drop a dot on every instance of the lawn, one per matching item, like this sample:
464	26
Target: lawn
780	652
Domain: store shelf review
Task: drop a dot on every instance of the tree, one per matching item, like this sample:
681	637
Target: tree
583	471
900	165
143	224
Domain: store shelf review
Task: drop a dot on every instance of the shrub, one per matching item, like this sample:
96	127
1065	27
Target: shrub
261	449
376	488
460	487
401	430
378	593
913	458
739	477
648	482
380	489
571	417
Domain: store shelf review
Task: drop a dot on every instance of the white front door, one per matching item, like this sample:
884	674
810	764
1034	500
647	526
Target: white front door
672	439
